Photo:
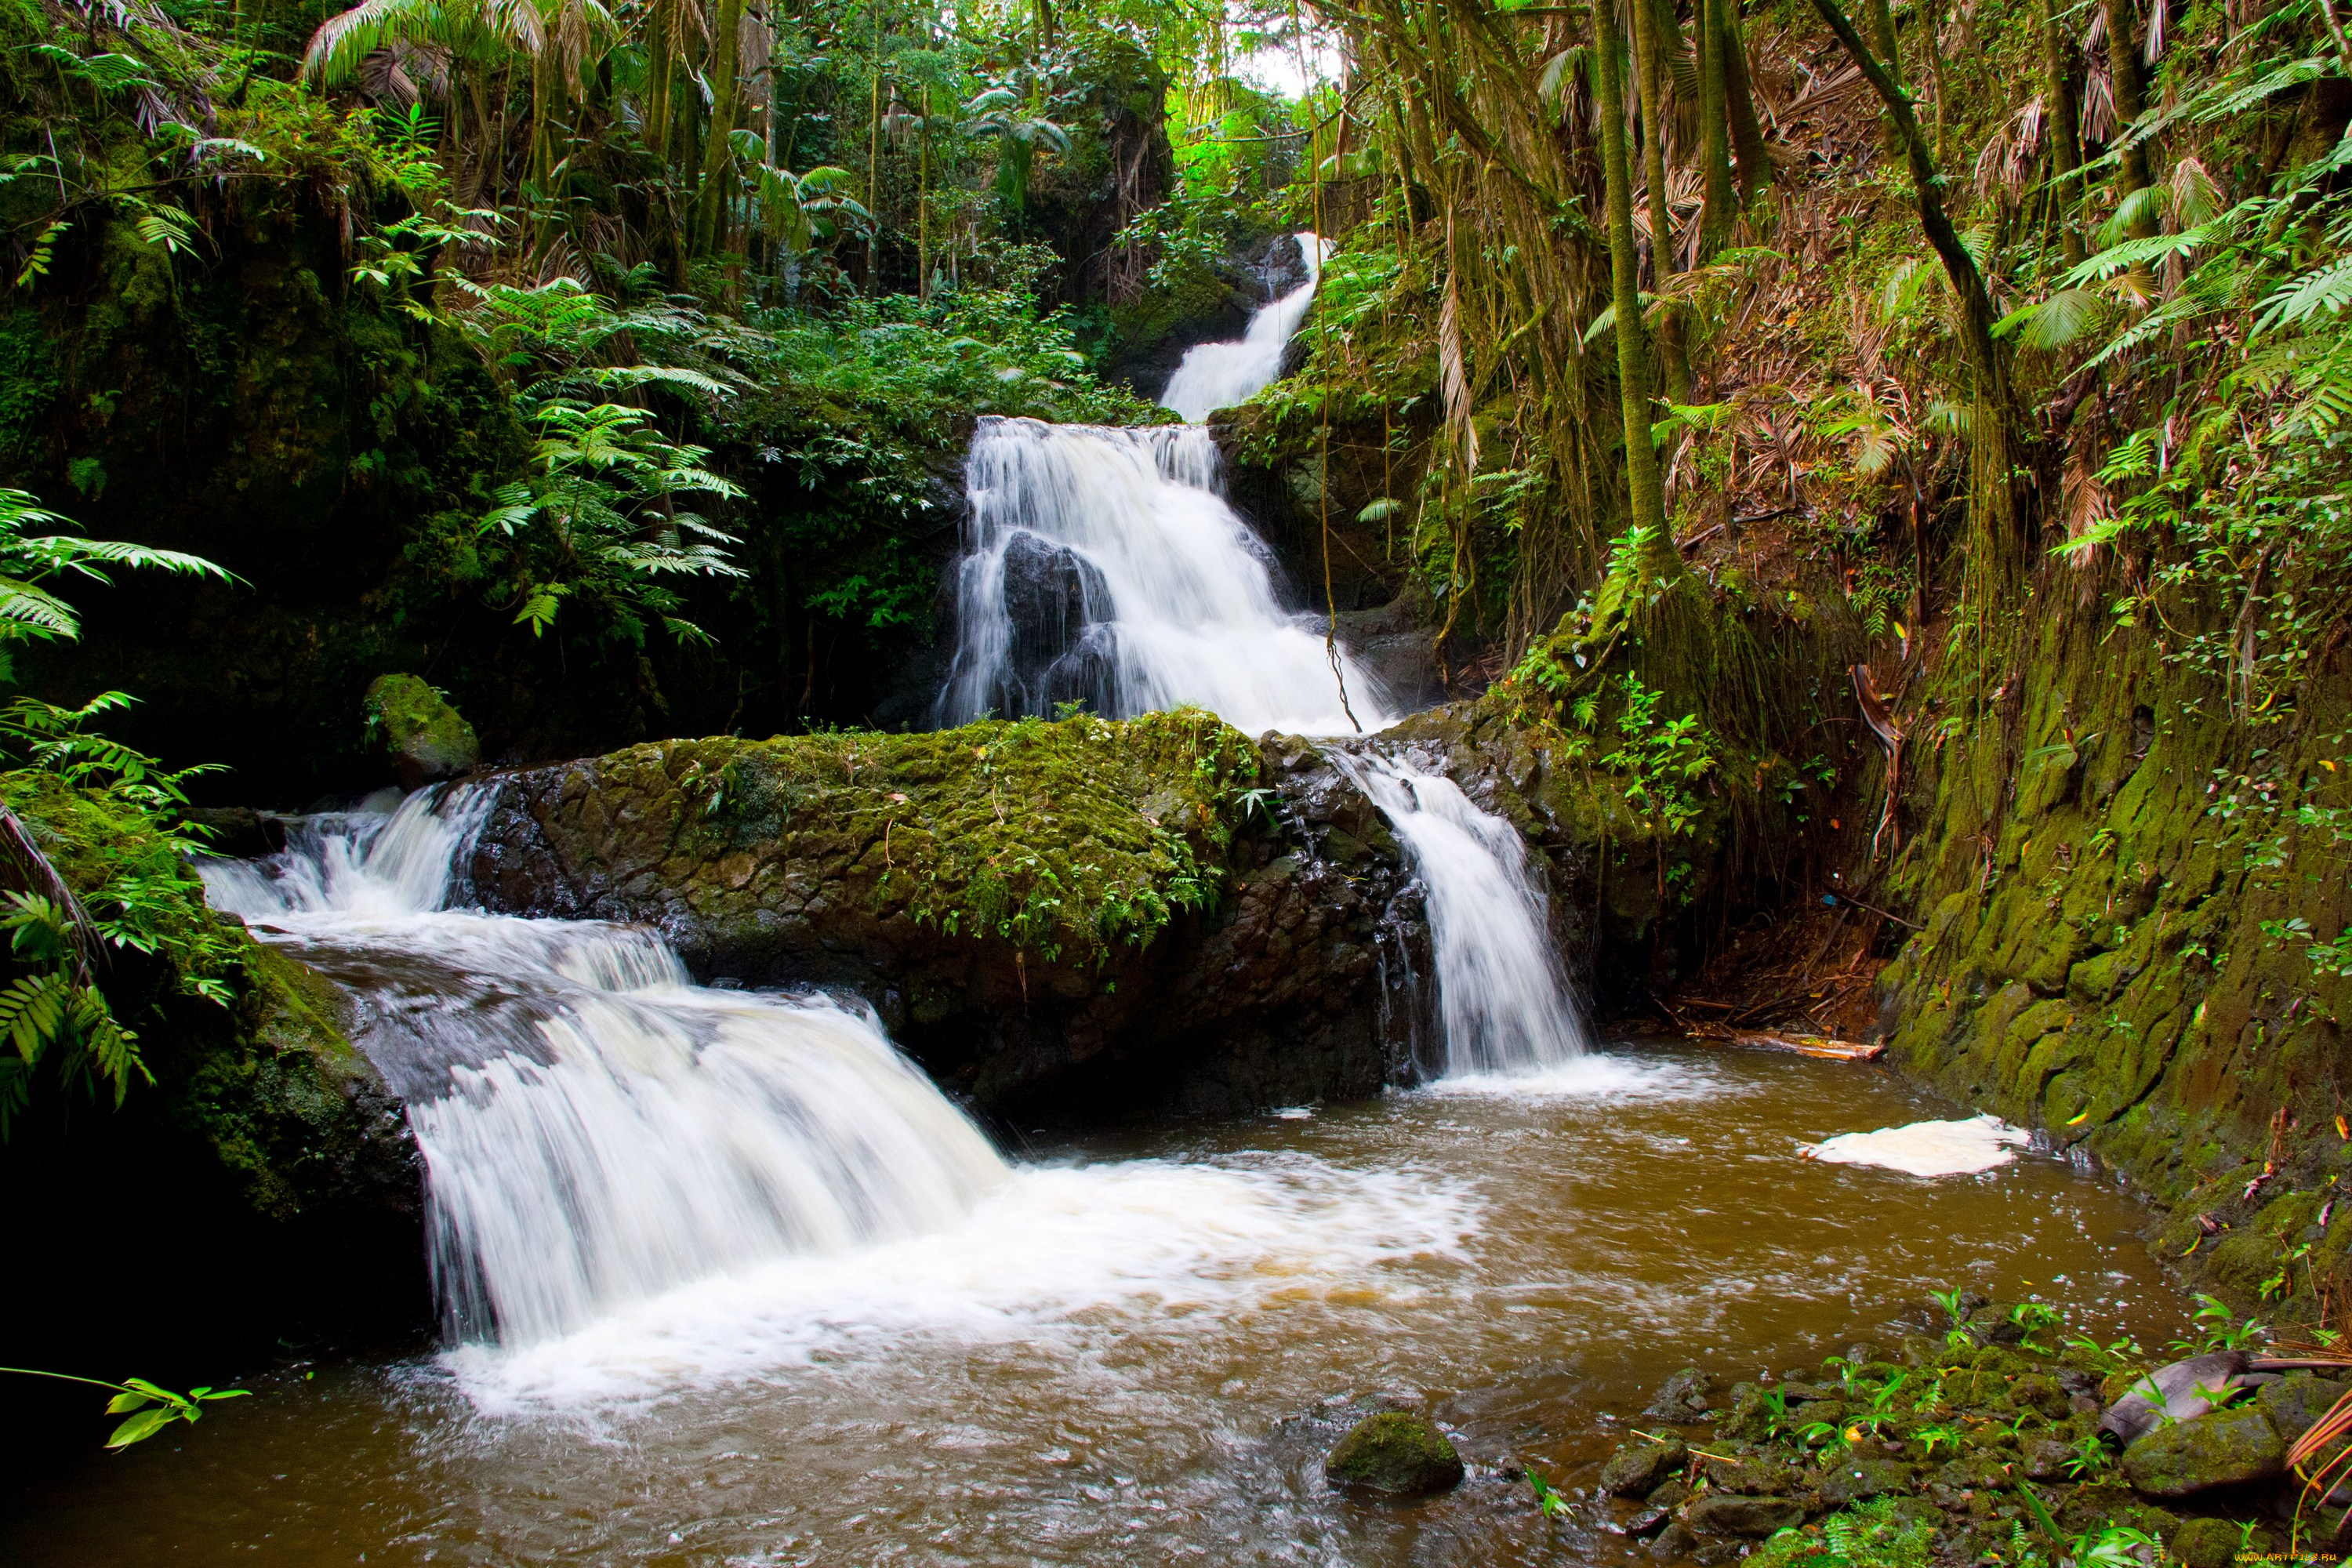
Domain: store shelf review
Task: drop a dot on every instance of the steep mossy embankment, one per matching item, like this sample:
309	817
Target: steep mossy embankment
1058	919
257	1174
2127	891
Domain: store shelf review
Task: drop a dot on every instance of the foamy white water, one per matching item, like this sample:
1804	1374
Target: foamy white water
1220	375
1054	1251
1103	567
597	1131
1504	999
1958	1148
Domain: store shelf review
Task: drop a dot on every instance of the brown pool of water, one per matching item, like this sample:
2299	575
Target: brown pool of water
1140	1350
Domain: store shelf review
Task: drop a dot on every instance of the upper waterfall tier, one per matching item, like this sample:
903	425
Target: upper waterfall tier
1219	376
1103	567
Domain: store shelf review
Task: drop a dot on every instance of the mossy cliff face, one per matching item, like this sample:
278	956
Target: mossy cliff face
2110	871
265	1171
1058	919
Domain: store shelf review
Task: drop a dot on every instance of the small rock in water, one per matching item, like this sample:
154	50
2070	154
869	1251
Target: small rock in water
1638	1469
1394	1453
1684	1398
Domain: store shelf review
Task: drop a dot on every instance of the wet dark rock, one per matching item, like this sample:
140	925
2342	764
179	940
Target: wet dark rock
1648	1523
2224	1447
2295	1401
2046	1459
1055	600
1851	1480
1639	1468
1673	1494
2037	1391
2207	1543
1673	1543
1396	1454
237	831
1687	1396
1724	1513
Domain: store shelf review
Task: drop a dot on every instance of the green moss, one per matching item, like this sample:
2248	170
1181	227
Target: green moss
418	728
1067	838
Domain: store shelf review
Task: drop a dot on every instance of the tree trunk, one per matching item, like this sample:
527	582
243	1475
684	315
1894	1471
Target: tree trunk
1646	498
726	41
1714	129
1649	60
2061	85
1992	415
2131	101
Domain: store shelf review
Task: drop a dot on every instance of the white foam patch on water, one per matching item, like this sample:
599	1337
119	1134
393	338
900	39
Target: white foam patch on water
1139	1245
1596	1077
1927	1148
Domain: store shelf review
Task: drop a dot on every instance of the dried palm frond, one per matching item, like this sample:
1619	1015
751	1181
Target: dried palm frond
1453	377
2086	503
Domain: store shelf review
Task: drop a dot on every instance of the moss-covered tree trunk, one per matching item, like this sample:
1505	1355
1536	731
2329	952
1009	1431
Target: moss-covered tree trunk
726	35
1649	25
1722	200
2062	85
1645	488
2131	101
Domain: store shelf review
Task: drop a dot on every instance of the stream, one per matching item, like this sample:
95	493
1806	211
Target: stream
1139	1348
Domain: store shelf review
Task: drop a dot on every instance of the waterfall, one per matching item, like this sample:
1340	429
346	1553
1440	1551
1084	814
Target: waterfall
1219	376
596	1129
1104	567
1501	994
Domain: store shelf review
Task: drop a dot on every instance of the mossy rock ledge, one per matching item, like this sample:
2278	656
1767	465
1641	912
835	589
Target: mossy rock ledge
427	739
1061	921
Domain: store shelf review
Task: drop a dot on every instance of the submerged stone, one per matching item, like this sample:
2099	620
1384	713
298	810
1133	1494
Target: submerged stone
2227	1448
1395	1453
1685	1397
427	739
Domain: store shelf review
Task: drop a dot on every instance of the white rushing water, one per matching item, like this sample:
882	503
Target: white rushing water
1104	566
596	1129
1503	996
1220	375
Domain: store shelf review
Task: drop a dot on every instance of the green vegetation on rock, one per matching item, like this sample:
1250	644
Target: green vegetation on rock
1394	1453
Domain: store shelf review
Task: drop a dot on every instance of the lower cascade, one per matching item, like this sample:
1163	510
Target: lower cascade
1501	994
596	1129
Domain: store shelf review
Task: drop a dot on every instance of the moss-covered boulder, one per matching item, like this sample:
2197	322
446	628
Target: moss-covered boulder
427	739
2226	1447
1396	1454
1060	920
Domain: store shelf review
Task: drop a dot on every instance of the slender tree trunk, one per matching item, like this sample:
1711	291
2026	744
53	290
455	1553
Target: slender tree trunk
2131	101
1646	497
1992	415
2062	86
923	204
1649	57
873	164
1722	207
726	38
660	67
542	145
1739	101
